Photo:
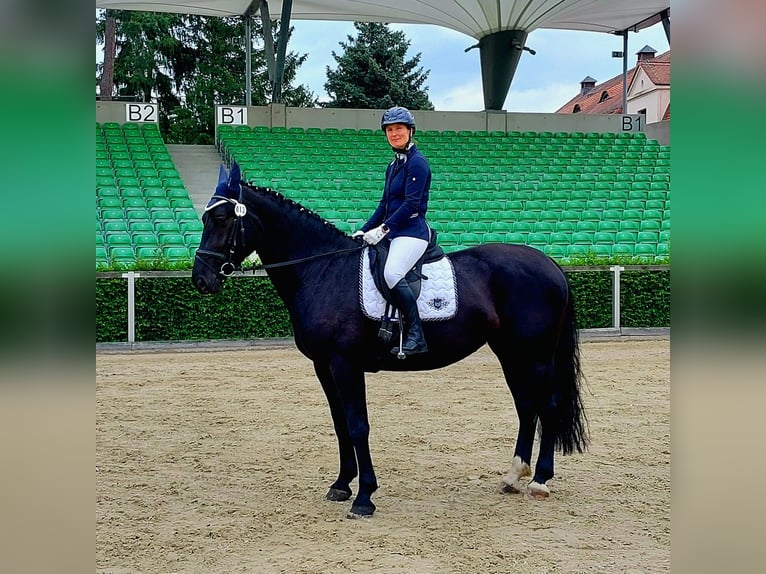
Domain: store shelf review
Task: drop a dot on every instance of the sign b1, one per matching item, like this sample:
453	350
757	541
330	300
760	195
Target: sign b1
231	115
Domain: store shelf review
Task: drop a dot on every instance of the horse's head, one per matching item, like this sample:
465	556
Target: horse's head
224	243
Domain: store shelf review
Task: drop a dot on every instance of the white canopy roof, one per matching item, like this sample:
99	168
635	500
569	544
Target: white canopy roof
475	18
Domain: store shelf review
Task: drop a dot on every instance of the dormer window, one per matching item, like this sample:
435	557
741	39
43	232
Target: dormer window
604	96
576	109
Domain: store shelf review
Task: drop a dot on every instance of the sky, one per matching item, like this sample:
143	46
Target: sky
542	83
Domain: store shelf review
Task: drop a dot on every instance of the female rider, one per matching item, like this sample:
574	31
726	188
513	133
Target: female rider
401	216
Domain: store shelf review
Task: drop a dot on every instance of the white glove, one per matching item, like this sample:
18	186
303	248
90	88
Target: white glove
373	236
356	234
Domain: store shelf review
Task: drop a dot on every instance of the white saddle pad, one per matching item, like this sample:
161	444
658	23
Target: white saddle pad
438	294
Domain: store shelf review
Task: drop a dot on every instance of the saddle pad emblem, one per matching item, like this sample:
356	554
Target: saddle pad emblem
438	293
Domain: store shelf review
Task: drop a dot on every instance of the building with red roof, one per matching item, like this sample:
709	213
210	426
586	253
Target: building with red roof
648	90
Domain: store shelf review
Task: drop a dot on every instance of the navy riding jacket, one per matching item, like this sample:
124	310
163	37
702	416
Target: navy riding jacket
404	203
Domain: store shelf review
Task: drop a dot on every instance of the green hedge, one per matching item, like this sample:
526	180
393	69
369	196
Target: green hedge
171	309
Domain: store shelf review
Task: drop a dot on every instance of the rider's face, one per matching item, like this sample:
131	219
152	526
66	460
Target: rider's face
398	135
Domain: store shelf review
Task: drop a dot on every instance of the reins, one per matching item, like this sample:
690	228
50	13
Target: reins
257	266
238	232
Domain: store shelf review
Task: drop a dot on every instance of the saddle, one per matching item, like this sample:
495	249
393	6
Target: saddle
378	254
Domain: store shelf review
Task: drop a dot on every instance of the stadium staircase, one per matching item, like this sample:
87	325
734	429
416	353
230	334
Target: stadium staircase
198	167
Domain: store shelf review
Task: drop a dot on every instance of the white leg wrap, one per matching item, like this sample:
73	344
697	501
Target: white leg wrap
510	482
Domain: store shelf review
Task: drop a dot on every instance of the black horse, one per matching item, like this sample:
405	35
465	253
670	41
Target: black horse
512	297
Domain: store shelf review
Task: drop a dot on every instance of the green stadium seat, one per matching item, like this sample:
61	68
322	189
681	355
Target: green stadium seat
645	236
601	250
650	225
608	225
176	253
655	214
478	226
109	202
489	237
615	204
522	227
646	250
516	238
625	237
546	227
131	202
560	238
664	236
137	213
663	249
537	240
157	202
154	192
577	250
556	251
630	225
144	239
603	238
192	240
582	238
622	249
632	215
566	226
122	255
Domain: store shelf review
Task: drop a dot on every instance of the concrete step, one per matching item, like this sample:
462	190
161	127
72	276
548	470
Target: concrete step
198	167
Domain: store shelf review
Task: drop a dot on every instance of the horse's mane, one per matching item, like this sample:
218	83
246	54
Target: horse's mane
313	219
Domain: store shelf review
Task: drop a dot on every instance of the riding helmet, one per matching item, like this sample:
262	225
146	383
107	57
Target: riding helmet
397	115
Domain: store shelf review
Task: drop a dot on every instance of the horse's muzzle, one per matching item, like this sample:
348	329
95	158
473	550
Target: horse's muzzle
205	282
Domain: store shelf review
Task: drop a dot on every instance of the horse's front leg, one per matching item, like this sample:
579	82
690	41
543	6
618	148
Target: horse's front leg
349	380
340	490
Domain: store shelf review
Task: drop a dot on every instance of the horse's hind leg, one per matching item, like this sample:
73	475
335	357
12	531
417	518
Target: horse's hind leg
524	400
340	490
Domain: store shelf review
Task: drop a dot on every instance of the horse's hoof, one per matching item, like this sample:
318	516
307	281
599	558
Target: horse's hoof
538	491
338	495
505	488
510	482
359	511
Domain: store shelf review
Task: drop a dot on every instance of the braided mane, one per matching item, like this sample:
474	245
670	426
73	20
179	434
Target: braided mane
312	218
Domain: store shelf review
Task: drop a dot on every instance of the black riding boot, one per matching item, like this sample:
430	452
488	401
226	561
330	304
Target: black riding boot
405	301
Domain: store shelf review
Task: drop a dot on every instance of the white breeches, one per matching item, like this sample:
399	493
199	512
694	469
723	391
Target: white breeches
403	253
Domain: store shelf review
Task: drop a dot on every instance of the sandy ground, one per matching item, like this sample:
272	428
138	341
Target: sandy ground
218	461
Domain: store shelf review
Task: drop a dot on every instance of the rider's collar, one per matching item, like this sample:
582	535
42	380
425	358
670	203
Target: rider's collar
401	155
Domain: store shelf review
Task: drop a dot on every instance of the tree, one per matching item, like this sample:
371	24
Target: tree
189	64
374	73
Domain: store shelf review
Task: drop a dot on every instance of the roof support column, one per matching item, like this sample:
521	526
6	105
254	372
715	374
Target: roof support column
624	72
500	53
666	23
248	17
284	32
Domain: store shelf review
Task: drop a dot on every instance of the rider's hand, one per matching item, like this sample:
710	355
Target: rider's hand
374	236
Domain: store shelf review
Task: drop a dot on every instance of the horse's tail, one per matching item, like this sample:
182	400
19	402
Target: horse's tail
572	424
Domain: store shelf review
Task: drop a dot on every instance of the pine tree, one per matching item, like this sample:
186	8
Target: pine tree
374	73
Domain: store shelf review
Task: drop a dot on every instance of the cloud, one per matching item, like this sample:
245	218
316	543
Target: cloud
465	97
469	97
545	99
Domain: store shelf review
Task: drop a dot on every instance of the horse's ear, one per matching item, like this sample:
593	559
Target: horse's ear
223	177
235	175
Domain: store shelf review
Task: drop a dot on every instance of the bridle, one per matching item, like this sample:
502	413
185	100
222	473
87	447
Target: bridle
237	237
